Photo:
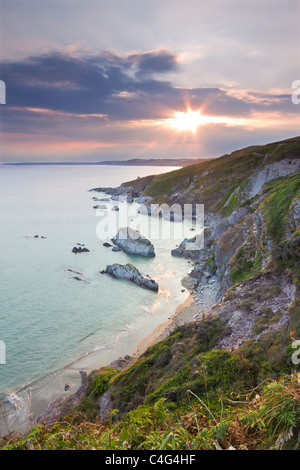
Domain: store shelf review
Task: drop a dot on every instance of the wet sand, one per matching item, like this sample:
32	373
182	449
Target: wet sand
183	314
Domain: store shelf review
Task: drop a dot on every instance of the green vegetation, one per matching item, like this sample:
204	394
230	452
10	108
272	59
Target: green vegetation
182	393
268	420
286	149
245	265
211	263
281	193
163	184
214	182
265	319
185	392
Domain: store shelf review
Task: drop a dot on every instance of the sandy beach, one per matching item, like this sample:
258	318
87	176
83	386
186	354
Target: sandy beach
183	313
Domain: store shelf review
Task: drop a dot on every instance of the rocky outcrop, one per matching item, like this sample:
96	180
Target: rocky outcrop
119	191
132	242
80	249
101	199
187	249
130	273
289	249
270	172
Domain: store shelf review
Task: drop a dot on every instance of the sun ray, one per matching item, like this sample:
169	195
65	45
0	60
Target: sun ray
186	121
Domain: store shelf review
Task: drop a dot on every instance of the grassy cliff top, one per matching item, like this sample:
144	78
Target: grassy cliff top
213	182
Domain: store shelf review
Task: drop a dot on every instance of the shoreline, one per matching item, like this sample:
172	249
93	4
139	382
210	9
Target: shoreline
35	403
183	314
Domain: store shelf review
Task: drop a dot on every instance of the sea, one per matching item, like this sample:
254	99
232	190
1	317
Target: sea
59	316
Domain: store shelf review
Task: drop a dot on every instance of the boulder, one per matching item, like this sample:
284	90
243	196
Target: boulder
188	248
132	242
79	249
130	273
101	199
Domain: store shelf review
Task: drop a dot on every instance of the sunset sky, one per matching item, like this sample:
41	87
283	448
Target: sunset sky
118	79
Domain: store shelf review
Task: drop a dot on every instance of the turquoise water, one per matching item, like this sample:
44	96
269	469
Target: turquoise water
49	320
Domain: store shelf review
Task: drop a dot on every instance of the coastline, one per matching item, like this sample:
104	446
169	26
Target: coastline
32	401
184	313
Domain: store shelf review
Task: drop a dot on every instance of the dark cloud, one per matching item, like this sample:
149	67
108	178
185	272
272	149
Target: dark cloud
154	62
123	88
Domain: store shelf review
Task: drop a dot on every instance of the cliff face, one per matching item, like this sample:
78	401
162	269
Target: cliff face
245	283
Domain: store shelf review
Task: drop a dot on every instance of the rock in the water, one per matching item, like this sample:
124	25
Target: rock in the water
115	208
108	245
130	273
116	248
75	272
79	249
188	248
101	199
143	199
133	243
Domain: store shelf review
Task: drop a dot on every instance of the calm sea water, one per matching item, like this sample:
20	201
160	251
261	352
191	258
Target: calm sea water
49	321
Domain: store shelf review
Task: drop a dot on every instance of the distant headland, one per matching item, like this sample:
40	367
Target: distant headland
180	162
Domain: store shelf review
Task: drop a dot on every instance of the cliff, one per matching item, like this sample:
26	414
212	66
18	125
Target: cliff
230	377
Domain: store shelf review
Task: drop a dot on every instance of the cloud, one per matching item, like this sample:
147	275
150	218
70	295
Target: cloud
106	100
154	62
121	87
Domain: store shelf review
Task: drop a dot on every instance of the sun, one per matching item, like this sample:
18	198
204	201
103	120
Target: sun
186	121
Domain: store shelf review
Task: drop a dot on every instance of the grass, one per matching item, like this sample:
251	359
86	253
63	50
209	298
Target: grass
281	193
269	420
245	265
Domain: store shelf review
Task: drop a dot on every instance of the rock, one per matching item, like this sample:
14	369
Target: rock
238	215
288	249
119	191
77	278
105	404
108	245
67	386
220	228
123	198
130	273
115	208
133	243
116	248
270	172
100	206
83	374
36	236
79	249
75	272
101	199
188	248
143	199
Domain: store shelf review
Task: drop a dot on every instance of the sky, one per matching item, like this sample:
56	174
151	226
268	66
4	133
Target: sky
119	79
